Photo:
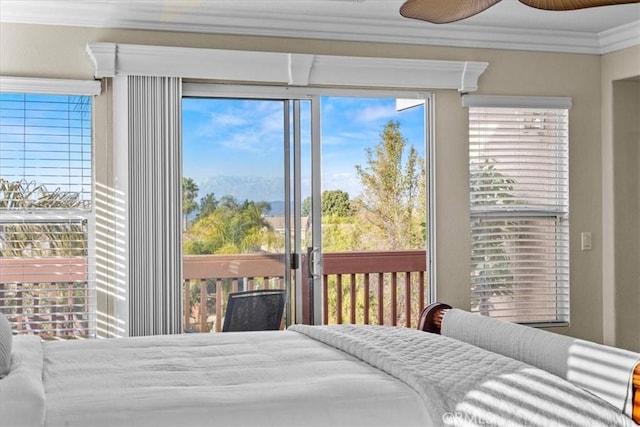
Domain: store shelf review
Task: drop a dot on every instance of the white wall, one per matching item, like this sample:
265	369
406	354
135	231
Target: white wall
48	51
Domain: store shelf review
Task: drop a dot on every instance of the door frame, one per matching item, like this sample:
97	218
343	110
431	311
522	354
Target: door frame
283	93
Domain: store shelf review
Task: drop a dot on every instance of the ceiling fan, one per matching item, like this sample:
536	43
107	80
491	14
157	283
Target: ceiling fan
444	11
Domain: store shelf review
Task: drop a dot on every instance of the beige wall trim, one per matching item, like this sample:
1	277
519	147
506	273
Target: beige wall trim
50	86
112	59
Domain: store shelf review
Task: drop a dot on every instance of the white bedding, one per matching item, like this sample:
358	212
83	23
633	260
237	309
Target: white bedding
602	370
466	385
22	400
307	376
249	379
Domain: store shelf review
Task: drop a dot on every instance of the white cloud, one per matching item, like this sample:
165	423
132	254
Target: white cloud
375	112
227	120
345	181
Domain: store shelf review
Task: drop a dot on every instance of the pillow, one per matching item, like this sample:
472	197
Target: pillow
5	345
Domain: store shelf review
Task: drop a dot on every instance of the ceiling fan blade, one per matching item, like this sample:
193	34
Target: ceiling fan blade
443	11
573	4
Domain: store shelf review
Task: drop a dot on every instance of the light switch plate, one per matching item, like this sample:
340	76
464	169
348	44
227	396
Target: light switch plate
585	238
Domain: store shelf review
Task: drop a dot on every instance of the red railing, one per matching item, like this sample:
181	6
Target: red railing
46	296
386	287
210	278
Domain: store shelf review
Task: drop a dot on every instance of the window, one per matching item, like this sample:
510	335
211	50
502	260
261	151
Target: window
519	193
46	214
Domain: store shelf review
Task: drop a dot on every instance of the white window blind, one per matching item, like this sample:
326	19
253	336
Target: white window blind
46	285
519	193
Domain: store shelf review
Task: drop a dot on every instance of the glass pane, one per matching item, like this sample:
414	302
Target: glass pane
45	180
233	203
519	267
45	146
518	170
373	208
45	288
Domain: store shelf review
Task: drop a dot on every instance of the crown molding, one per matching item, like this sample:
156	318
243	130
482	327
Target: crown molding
620	38
112	60
365	27
103	56
369	29
49	86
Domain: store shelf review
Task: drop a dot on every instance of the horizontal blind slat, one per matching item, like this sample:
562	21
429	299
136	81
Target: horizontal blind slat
518	176
45	208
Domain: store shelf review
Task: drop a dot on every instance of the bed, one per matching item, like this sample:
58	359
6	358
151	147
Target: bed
343	375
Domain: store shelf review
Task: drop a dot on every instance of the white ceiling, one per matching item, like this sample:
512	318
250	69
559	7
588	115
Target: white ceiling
507	25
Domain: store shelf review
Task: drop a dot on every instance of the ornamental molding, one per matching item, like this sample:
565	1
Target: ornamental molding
290	69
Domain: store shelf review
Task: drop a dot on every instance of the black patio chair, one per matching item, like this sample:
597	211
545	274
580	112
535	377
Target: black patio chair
259	310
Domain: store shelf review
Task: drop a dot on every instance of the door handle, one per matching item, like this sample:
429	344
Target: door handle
312	275
311	261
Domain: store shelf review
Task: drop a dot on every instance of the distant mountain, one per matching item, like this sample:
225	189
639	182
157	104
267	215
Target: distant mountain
277	208
243	187
257	189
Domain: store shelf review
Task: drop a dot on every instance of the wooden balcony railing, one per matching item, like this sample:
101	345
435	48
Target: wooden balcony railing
208	279
53	296
386	287
46	296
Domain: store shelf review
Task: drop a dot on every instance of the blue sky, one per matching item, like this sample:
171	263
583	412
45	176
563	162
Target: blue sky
230	147
236	145
46	139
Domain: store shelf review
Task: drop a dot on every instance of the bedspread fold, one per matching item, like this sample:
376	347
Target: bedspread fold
602	370
463	384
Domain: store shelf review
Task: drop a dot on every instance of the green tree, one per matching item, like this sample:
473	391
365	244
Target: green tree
340	234
392	206
232	227
491	274
25	239
306	207
189	194
336	202
208	205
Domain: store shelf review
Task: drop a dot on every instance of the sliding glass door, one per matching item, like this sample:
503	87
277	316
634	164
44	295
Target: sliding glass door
324	195
247	167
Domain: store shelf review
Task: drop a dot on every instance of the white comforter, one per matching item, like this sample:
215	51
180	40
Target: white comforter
307	376
246	379
466	385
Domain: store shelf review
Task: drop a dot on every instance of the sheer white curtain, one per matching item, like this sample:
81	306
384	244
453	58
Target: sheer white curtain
153	198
